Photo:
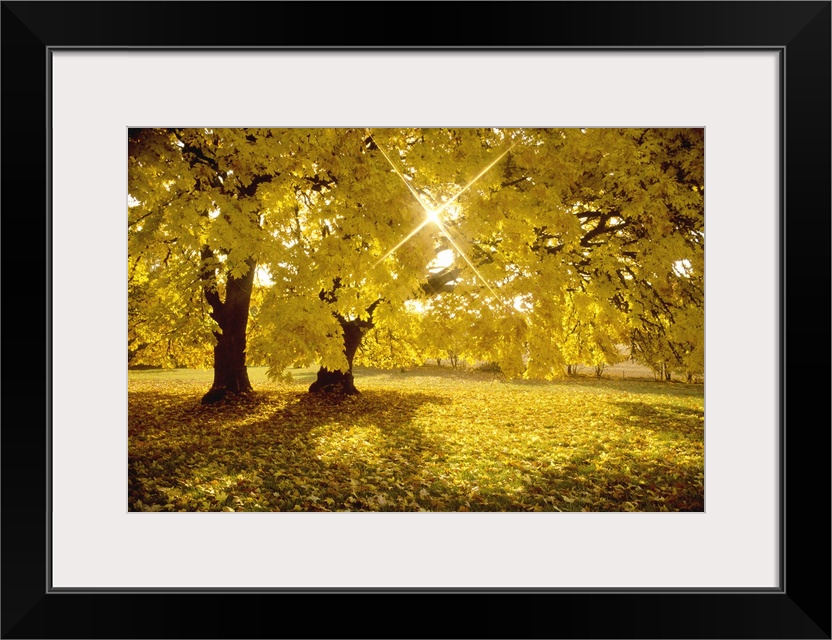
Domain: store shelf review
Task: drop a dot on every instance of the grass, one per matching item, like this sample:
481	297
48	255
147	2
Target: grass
429	439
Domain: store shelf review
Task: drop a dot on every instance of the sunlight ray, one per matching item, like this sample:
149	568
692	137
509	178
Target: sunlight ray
445	205
425	223
461	253
401	175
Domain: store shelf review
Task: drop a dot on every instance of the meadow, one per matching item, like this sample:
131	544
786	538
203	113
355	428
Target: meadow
424	439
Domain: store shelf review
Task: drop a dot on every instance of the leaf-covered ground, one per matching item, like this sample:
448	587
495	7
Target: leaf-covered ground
424	440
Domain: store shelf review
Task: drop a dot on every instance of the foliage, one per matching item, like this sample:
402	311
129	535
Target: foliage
427	440
396	341
574	242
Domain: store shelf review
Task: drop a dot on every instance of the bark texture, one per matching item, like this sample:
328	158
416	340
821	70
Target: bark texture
230	373
343	382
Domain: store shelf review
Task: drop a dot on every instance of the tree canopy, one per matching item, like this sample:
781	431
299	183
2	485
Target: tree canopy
536	249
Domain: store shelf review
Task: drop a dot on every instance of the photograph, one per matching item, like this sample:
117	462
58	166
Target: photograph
423	302
493	319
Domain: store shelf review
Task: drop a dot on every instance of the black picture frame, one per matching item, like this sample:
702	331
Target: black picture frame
800	608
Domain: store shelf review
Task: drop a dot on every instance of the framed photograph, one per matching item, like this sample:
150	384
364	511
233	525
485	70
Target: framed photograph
79	560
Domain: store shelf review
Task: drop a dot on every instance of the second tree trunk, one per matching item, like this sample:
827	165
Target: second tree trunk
342	381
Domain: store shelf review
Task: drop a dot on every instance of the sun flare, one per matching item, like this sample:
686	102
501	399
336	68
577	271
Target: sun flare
435	216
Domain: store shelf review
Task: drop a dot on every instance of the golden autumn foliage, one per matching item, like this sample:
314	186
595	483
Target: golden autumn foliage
427	439
566	243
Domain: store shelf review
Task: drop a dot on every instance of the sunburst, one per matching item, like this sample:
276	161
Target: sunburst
434	215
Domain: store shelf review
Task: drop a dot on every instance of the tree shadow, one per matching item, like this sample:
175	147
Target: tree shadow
291	447
662	417
639	386
647	485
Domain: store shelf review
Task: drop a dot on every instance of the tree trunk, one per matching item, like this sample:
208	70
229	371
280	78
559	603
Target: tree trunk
342	382
230	373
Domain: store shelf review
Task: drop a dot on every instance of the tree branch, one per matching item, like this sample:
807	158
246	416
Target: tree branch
442	281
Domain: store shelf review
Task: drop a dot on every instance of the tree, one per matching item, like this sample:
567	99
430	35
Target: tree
565	244
179	204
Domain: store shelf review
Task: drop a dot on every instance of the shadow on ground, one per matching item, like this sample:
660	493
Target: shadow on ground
383	450
274	451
